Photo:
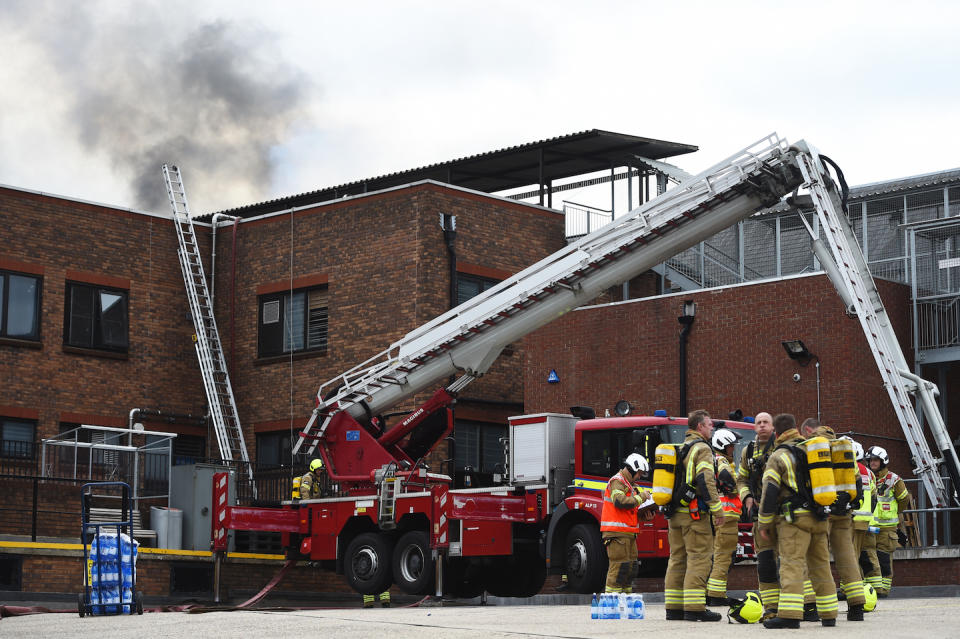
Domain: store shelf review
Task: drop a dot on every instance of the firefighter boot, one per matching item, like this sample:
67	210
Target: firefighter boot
674	615
717	601
780	622
855	612
702	615
810	612
829	623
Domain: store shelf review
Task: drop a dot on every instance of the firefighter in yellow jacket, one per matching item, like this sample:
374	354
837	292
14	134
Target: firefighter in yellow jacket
840	536
725	542
309	486
619	523
786	504
753	461
690	533
892	499
865	541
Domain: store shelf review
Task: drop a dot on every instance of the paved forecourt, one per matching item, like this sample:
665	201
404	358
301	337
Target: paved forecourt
929	618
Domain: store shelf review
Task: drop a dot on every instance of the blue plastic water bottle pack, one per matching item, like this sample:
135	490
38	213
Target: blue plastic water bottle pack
111	573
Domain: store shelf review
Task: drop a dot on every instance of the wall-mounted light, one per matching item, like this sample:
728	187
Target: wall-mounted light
623	408
797	351
688	313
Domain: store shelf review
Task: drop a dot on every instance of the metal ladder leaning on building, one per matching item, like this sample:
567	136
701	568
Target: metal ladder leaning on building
213	364
467	339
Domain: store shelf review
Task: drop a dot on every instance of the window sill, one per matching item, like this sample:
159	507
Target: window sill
24	343
94	352
275	359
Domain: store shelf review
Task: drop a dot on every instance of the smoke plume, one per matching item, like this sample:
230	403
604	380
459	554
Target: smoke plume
145	85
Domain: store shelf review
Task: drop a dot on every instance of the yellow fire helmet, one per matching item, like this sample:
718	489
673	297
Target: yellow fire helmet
316	464
870	598
750	610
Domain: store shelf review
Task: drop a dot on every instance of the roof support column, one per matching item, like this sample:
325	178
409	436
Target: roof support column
540	172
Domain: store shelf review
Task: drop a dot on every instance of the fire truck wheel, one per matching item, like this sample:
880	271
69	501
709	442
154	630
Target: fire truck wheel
586	559
367	563
529	573
413	567
462	579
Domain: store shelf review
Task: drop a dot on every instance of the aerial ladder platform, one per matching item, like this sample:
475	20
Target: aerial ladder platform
466	340
213	364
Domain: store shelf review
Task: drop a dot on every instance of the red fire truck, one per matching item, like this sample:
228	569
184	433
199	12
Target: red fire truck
394	522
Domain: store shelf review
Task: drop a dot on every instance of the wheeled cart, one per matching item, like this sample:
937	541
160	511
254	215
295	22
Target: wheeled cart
109	555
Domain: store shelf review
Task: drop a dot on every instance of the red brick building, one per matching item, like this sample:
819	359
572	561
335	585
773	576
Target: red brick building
630	351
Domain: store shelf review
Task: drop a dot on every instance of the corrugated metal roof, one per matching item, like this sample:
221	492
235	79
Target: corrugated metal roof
938	178
508	168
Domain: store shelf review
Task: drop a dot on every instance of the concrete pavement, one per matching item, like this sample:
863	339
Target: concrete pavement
914	618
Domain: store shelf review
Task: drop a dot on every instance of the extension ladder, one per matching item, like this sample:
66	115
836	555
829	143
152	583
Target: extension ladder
213	365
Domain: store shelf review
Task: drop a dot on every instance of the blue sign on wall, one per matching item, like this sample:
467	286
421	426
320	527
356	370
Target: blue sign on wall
553	378
353	435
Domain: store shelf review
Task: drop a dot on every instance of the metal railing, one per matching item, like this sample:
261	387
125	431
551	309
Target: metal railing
581	219
934	525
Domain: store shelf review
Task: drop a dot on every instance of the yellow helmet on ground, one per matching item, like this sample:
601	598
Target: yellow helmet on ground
750	610
869	598
316	464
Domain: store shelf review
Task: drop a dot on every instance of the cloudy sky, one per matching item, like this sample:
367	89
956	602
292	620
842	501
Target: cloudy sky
257	100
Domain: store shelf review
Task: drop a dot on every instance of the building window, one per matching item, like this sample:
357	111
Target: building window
17	437
470	286
293	322
96	317
273	450
477	445
19	306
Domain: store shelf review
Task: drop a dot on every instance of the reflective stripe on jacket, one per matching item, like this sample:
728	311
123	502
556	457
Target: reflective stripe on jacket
864	513
730	502
614	518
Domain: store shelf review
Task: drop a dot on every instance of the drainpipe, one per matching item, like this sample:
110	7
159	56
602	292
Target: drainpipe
449	225
686	323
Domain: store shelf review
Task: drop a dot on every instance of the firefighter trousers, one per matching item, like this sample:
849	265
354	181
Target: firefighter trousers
622	558
869	562
724	545
844	558
767	580
691	550
803	549
886	544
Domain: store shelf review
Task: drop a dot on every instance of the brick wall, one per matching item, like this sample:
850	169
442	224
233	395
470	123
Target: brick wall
735	359
387	271
65	238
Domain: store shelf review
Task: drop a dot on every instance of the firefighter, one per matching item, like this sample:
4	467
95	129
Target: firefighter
310	483
753	460
840	536
690	534
892	499
725	542
619	523
786	504
369	600
864	540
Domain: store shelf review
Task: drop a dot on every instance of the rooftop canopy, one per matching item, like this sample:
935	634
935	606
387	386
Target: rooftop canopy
535	163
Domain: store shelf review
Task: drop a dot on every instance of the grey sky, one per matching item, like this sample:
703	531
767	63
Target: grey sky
258	100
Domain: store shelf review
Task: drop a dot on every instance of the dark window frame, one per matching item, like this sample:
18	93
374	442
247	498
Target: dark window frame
465	280
97	338
314	324
5	305
279	443
488	451
23	449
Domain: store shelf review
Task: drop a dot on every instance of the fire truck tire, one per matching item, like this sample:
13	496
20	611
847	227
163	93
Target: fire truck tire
367	564
413	566
586	559
462	579
529	573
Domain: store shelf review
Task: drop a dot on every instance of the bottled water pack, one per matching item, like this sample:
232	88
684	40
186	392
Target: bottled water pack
616	606
112	572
